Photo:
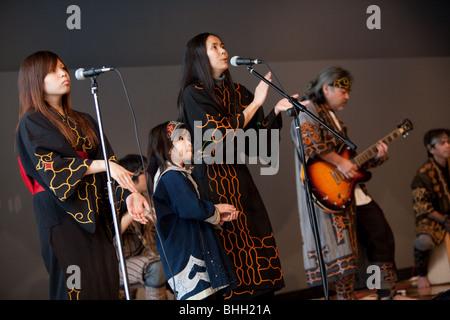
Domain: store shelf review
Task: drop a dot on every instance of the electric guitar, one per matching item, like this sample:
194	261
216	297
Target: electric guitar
331	191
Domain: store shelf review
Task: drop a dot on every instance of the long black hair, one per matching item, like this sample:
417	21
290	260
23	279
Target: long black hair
197	68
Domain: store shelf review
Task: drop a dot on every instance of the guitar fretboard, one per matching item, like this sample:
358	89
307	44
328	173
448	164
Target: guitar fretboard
370	152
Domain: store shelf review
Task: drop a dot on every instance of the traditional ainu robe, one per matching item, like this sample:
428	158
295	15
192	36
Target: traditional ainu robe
337	231
72	209
249	241
431	192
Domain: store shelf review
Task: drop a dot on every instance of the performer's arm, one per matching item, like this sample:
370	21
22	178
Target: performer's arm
258	100
345	166
118	173
125	222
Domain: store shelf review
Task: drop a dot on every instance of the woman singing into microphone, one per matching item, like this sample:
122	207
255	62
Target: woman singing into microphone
62	164
209	101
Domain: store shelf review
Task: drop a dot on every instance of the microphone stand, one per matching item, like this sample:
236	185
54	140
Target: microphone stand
297	106
111	194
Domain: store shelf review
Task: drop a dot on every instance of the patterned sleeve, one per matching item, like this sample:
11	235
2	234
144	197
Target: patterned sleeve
423	195
198	106
315	141
217	125
60	167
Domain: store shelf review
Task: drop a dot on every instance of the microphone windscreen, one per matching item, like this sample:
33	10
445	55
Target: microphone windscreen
79	74
233	61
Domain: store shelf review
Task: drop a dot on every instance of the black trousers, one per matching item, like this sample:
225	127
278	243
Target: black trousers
376	239
94	255
64	244
374	233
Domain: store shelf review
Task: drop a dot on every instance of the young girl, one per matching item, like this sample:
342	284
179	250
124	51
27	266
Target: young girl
194	261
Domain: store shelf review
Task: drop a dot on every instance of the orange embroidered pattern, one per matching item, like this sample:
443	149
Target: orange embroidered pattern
248	252
333	269
243	248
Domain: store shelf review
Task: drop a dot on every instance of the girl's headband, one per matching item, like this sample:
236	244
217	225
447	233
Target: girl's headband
171	127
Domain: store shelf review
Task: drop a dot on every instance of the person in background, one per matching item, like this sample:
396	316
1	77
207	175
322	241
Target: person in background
139	241
431	200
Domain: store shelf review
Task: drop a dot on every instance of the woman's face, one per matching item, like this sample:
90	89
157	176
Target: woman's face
56	83
218	56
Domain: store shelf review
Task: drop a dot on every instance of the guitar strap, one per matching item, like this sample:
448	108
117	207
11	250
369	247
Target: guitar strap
335	120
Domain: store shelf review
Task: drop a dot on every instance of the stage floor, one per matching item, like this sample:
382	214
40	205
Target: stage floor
408	288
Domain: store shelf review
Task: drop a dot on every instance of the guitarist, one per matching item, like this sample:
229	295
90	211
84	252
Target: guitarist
327	93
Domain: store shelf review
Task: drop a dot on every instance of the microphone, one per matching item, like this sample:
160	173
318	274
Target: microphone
82	74
236	61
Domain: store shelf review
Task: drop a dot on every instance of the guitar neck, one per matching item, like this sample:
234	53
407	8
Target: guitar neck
370	152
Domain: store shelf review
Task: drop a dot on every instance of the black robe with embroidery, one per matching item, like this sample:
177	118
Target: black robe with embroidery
431	192
249	241
72	209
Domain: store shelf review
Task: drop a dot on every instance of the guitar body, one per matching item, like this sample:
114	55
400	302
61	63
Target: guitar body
332	192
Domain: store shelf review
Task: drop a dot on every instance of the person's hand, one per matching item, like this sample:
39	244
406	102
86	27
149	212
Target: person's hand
137	206
122	176
261	91
347	168
227	212
382	149
283	105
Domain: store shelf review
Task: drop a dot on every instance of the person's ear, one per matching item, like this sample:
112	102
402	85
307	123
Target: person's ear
430	149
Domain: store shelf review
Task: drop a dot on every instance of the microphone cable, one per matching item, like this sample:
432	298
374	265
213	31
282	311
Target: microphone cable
275	76
144	166
289	112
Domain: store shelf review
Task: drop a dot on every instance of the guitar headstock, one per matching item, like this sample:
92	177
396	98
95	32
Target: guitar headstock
405	127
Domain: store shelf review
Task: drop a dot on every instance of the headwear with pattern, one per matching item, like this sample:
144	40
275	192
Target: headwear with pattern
343	83
171	127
